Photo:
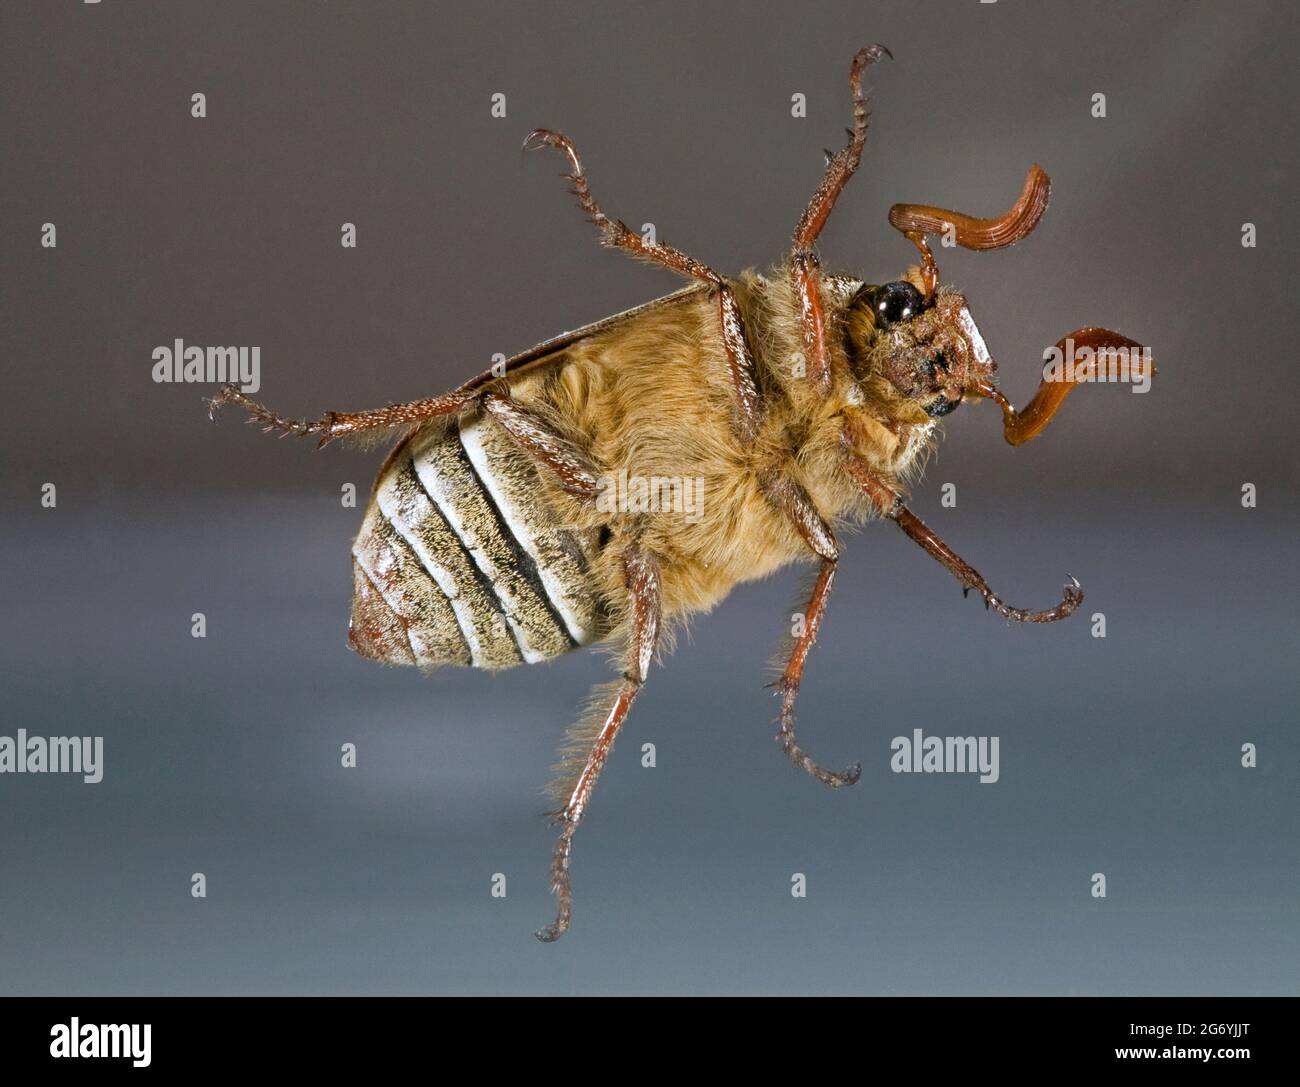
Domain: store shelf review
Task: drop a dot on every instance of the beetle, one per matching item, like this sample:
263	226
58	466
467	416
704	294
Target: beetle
789	402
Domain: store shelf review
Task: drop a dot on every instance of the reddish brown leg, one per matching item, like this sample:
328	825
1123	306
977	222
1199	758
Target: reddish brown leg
889	504
336	424
805	269
552	451
1019	426
794	501
641	575
616	235
564	460
341	424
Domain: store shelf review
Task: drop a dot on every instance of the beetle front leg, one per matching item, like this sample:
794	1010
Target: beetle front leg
805	269
889	504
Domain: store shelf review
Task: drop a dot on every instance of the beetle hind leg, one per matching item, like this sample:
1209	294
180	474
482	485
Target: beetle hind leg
575	782
342	424
593	734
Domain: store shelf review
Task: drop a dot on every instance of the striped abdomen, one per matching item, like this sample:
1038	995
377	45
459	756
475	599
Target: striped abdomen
460	560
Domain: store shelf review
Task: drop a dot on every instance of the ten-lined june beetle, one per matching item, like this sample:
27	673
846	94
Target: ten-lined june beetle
791	401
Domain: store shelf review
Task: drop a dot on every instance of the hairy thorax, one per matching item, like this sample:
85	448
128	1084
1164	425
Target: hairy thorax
653	403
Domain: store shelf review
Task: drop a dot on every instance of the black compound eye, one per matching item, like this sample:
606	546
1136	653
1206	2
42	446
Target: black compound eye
895	302
942	407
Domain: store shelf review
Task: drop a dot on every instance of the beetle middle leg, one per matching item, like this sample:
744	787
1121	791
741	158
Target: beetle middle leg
616	234
644	601
805	268
793	500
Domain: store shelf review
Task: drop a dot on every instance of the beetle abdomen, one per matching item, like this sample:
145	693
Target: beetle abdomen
460	559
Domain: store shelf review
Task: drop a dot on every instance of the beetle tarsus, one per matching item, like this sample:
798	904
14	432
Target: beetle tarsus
561	886
786	738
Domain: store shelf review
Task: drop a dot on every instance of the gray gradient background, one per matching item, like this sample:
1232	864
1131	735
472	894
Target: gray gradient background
1120	756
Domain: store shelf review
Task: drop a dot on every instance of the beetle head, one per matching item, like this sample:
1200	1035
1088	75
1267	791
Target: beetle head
922	341
929	350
